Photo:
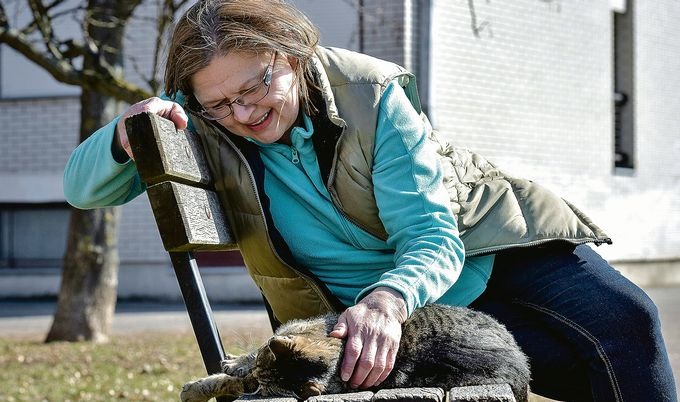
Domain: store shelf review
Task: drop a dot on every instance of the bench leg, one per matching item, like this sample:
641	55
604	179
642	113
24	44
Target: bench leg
200	313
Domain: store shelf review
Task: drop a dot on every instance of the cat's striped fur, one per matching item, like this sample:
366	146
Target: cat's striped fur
441	346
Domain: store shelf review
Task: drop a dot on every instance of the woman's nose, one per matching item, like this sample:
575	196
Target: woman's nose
242	113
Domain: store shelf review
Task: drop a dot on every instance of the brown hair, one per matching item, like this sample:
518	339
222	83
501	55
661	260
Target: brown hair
212	28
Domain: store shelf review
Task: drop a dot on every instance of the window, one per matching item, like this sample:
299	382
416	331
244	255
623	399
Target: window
624	85
33	235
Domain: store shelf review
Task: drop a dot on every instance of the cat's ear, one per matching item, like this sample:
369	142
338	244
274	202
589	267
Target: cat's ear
311	388
281	346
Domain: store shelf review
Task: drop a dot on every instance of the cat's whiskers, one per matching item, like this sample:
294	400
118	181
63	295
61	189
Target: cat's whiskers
241	341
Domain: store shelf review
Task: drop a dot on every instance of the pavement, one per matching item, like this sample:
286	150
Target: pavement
32	319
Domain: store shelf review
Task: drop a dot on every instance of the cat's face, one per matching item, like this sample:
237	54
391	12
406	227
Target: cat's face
298	366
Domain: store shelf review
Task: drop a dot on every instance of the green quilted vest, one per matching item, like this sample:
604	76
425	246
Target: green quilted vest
494	211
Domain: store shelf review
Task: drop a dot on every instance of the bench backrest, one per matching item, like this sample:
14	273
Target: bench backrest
188	215
180	187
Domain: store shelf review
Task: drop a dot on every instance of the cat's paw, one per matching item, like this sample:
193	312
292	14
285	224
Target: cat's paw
234	365
229	356
192	392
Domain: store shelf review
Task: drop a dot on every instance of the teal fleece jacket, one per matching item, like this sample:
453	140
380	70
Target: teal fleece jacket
423	259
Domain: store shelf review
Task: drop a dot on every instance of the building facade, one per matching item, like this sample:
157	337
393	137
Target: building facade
577	95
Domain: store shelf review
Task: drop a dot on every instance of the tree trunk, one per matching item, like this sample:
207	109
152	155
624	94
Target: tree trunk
89	284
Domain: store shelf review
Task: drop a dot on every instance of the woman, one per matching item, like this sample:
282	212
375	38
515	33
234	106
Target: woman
341	197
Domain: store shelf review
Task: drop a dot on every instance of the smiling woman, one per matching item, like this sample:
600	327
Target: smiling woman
213	29
264	111
222	108
342	197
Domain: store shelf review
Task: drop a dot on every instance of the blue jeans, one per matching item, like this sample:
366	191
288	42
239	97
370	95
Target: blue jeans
590	334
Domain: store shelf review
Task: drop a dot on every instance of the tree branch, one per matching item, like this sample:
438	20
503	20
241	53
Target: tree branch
57	56
3	17
108	83
42	19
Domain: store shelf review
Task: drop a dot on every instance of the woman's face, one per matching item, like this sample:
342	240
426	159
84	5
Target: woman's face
228	77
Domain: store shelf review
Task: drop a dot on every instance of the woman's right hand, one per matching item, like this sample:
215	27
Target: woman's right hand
164	108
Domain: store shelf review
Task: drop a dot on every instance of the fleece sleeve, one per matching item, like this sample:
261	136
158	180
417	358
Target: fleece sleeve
94	178
413	205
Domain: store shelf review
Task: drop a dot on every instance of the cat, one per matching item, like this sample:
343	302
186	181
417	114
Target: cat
441	346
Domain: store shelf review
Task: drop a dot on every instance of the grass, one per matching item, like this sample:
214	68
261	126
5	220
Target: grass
148	367
140	367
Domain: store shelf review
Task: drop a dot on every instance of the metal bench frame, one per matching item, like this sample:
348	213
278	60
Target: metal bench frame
189	218
188	215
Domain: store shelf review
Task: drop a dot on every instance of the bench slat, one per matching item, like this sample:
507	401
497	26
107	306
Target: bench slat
189	218
410	394
363	396
188	215
482	393
475	393
169	154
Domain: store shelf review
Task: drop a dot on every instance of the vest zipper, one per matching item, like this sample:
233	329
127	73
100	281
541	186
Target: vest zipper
295	156
309	279
494	250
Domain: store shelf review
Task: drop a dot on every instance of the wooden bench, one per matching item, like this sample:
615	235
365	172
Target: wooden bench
189	218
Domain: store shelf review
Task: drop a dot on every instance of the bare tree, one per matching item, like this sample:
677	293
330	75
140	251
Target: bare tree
94	62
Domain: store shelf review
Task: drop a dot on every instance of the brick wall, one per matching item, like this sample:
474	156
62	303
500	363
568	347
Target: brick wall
384	33
532	82
528	84
38	134
139	239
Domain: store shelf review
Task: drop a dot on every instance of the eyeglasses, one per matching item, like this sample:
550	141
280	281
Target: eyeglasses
251	95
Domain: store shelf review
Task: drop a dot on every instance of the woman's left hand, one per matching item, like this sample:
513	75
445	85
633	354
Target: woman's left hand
373	331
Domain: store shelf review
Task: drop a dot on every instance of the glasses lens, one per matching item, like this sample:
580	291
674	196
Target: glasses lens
255	95
217	113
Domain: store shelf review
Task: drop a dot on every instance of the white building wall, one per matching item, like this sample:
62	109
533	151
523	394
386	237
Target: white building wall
645	208
532	91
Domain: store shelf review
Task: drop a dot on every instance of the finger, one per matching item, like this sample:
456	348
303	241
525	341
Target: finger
352	353
389	365
364	365
125	144
340	329
379	367
178	116
122	138
168	109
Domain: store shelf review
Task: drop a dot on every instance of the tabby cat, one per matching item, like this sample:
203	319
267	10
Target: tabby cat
441	346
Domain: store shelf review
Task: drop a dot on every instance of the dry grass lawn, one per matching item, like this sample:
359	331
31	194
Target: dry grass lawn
148	367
